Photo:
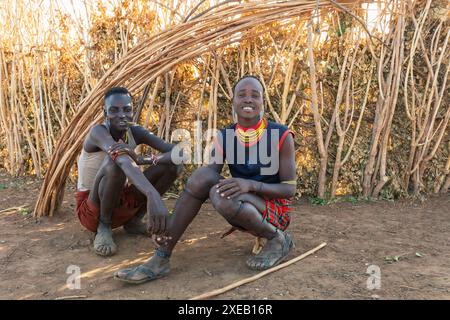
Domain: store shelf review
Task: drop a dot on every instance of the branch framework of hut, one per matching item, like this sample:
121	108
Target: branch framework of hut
153	57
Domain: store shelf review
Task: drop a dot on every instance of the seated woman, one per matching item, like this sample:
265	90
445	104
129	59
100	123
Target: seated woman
257	197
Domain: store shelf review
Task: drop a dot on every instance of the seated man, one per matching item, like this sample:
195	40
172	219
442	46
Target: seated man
112	189
256	199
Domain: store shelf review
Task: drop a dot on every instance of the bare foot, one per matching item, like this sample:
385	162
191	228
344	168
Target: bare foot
274	252
136	226
103	243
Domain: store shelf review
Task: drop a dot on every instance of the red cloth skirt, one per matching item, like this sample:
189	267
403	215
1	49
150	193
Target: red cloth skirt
88	212
276	213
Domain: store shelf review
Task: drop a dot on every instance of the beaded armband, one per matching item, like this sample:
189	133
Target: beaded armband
292	182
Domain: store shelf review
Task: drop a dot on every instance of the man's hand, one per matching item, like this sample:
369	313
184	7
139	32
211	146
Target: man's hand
233	187
121	147
157	216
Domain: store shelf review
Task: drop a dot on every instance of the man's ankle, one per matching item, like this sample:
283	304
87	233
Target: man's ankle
103	226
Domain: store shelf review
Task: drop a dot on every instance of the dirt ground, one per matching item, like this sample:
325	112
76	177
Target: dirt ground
408	240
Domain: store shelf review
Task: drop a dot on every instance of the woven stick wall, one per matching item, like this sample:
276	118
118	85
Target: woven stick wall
216	28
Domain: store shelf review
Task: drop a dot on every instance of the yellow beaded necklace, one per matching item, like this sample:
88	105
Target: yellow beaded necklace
250	136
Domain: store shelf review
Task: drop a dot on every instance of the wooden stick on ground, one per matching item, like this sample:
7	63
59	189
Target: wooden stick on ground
70	297
14	209
255	277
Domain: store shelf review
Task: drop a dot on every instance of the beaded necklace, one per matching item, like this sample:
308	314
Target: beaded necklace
125	139
250	136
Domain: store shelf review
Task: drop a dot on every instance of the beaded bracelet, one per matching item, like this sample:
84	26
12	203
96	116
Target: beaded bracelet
115	154
152	158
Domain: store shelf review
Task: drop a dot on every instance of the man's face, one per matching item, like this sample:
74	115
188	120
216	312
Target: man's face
119	111
248	98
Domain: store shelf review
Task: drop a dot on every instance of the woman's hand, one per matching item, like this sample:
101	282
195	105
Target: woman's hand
233	187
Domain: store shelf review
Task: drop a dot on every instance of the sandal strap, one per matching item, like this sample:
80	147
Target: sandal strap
287	244
162	254
144	270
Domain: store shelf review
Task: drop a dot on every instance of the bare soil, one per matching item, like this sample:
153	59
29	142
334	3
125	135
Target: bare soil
408	240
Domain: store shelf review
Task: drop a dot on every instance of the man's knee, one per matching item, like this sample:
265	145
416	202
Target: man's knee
201	181
109	168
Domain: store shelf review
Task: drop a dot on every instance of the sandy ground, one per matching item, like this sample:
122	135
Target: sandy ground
408	240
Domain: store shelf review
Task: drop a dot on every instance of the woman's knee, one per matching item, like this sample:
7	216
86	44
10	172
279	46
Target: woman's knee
201	181
214	197
226	207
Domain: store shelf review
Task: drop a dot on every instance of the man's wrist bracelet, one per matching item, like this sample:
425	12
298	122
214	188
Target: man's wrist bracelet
151	159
